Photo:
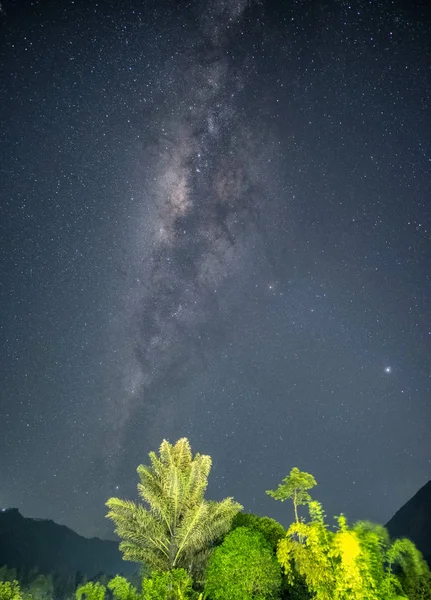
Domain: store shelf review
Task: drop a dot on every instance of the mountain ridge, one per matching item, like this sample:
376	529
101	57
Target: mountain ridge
413	521
27	543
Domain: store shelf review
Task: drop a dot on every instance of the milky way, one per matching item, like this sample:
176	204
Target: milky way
200	230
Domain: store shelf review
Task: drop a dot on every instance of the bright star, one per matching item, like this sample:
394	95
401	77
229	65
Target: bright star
388	370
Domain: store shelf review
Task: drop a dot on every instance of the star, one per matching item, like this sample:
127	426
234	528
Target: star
388	370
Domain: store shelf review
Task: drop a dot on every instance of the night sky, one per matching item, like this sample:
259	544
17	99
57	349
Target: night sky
215	223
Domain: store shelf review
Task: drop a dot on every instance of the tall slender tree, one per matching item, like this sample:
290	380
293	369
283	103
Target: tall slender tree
295	487
174	526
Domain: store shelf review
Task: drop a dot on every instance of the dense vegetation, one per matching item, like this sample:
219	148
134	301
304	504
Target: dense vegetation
190	548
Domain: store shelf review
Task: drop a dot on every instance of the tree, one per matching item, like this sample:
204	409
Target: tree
64	585
243	567
418	588
305	550
175	527
41	588
10	590
394	565
123	590
271	529
92	590
7	574
351	563
273	532
294	486
175	584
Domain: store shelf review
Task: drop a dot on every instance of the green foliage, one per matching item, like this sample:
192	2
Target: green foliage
91	591
243	567
306	549
41	588
168	585
396	567
271	529
418	588
175	526
298	590
295	487
34	585
175	532
123	590
351	563
10	590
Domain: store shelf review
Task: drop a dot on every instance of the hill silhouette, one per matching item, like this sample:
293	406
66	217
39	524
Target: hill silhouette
27	543
413	521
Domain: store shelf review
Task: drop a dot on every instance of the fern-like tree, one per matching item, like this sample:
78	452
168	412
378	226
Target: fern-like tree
174	526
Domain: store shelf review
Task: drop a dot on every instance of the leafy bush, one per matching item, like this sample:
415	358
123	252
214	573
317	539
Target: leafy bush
243	568
10	590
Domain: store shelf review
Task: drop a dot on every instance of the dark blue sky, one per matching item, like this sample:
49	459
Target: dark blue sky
216	223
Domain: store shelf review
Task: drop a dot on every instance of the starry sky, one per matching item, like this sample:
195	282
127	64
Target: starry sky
216	221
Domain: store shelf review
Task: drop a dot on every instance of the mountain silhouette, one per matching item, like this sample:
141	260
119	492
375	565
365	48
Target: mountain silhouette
413	521
27	543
